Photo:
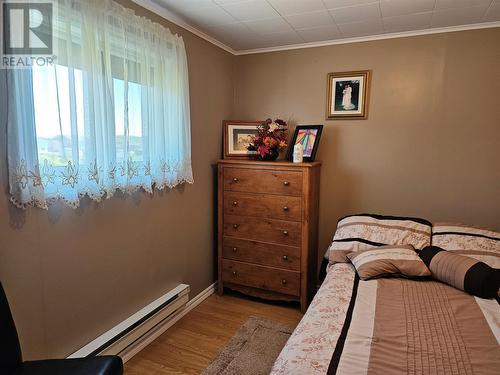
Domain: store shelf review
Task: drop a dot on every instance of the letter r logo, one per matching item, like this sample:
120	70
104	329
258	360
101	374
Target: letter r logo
27	28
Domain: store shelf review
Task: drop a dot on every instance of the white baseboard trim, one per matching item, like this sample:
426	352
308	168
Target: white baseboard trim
169	322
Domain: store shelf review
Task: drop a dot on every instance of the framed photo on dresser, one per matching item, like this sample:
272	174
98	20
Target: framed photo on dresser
308	136
237	135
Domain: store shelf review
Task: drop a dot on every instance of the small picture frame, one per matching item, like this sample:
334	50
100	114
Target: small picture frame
309	136
348	95
237	135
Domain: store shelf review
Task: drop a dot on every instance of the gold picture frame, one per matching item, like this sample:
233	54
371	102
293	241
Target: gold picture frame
348	95
234	146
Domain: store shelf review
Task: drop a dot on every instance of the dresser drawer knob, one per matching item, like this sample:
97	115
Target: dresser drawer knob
285	233
235	226
285	208
235	179
234	273
286	183
235	249
283	281
285	257
235	203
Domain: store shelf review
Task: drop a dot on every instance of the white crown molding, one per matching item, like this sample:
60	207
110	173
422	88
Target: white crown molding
170	16
369	38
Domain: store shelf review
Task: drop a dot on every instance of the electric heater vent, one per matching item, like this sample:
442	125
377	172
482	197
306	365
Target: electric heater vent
137	331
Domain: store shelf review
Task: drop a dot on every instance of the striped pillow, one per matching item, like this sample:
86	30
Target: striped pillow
368	231
388	260
462	272
477	243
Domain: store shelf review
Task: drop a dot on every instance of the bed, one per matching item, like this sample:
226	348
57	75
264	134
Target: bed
397	325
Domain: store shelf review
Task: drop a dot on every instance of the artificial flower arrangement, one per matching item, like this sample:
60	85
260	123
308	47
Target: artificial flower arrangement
270	139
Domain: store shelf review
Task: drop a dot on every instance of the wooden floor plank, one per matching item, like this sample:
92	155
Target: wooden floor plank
191	344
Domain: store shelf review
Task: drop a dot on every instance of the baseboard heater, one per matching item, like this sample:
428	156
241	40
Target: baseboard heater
134	333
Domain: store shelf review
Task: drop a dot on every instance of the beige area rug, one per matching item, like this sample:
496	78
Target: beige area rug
252	350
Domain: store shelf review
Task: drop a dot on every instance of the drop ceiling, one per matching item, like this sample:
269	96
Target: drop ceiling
248	26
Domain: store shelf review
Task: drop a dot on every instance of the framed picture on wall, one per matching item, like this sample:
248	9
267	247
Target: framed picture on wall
309	136
237	135
348	95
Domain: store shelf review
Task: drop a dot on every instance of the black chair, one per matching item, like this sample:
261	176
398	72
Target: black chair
11	362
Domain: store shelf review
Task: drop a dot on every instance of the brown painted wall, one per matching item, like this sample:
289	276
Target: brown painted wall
70	275
431	144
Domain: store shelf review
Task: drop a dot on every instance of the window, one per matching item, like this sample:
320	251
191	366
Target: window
112	113
53	119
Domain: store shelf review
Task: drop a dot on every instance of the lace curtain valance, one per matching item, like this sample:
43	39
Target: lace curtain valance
111	113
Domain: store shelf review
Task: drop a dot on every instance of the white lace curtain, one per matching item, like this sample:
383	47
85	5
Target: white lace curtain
112	113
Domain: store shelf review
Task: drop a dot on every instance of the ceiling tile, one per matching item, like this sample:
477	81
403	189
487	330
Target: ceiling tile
282	38
248	45
251	10
207	16
250	24
458	16
493	13
344	3
233	29
309	20
317	34
442	4
233	41
182	5
355	13
407	22
238	37
354	29
268	26
220	2
392	8
286	7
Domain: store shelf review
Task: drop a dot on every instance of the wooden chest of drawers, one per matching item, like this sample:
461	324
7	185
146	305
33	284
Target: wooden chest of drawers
267	223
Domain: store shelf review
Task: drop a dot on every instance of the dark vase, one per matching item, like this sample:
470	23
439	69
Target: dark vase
271	156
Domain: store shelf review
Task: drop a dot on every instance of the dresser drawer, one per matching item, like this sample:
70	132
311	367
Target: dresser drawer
286	282
287	257
262	181
281	207
262	229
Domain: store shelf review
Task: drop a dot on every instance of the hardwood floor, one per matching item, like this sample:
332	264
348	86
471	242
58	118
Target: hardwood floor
190	345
